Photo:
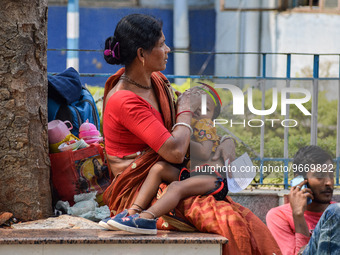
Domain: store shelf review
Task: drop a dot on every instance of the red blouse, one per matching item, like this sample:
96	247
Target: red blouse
131	124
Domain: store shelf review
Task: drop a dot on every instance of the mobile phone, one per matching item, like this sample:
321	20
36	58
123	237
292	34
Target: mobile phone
298	179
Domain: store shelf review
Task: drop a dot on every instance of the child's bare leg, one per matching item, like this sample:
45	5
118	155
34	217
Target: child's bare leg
159	172
198	185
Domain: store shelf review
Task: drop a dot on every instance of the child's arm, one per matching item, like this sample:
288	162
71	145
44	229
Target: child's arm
201	150
225	150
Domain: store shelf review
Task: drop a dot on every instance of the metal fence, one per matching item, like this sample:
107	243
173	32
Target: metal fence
262	80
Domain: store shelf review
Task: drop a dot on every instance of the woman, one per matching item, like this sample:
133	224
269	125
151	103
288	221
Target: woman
141	127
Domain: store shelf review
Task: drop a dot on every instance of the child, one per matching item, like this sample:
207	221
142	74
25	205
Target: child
205	140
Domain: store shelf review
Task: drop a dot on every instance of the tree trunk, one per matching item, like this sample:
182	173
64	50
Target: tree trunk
24	163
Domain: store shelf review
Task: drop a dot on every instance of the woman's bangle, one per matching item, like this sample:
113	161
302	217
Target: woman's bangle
225	137
183	112
183	124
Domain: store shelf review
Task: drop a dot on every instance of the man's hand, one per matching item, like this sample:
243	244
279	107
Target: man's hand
298	198
298	202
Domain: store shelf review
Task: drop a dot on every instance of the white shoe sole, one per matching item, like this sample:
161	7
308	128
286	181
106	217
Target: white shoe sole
107	226
131	229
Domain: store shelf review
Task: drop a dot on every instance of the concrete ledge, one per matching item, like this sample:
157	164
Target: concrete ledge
94	236
94	241
111	249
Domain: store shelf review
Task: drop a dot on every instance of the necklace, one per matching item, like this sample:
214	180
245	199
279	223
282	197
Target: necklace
124	77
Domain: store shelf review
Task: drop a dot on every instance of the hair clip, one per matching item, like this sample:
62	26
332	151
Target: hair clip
110	51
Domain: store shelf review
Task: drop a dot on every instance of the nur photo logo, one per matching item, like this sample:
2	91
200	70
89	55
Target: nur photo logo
238	103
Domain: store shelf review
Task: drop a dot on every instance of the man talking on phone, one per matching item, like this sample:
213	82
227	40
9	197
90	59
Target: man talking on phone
293	224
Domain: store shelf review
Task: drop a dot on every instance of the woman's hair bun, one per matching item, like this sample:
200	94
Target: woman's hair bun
111	51
132	32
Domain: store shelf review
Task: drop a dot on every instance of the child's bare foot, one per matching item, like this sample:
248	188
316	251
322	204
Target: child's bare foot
147	215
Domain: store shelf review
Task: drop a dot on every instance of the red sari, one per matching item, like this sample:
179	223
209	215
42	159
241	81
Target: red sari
246	233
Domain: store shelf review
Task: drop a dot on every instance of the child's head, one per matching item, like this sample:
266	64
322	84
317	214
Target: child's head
213	104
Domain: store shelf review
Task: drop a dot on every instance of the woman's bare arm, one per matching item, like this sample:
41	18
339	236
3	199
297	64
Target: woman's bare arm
176	147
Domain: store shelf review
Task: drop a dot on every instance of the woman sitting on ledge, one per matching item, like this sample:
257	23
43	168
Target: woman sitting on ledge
141	128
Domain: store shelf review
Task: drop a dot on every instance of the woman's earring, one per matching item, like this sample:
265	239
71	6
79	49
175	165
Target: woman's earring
143	62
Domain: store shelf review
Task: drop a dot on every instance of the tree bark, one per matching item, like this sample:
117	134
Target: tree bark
24	163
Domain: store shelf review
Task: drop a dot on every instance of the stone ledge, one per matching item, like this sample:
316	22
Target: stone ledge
95	236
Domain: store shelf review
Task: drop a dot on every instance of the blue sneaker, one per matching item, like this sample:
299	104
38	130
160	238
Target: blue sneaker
103	223
135	224
118	216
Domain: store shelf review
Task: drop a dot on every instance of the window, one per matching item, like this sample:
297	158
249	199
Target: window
316	5
328	6
247	5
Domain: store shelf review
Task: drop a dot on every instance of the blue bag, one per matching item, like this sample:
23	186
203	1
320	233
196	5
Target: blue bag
69	100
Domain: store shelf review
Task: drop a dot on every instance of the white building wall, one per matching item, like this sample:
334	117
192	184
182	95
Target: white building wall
308	33
228	39
281	32
237	32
